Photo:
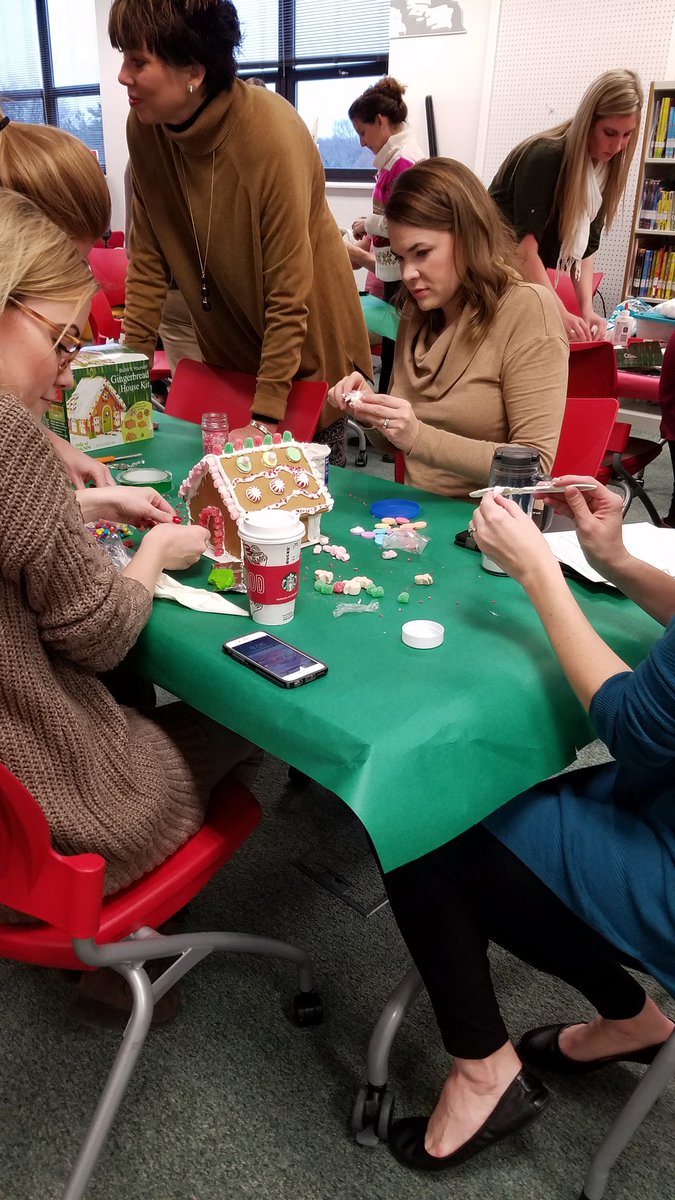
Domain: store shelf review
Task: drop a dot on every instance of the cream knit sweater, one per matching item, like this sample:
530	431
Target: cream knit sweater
107	779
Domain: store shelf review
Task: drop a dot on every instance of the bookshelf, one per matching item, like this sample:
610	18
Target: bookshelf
650	265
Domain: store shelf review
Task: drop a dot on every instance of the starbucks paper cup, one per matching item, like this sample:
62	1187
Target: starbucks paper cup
271	543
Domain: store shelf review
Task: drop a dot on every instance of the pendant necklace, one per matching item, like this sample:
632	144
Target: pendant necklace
206	303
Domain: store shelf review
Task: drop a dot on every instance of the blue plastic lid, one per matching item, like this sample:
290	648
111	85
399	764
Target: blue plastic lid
395	508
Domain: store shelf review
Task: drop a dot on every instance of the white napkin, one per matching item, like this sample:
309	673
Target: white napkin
168	588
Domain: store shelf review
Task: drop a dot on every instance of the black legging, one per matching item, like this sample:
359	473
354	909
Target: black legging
451	903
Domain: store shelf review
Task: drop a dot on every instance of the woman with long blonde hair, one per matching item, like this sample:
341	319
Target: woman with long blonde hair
481	355
560	188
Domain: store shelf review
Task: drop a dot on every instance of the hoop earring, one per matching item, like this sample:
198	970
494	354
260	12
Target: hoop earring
190	88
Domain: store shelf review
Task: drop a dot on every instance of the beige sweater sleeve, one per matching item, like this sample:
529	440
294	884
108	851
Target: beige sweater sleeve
85	608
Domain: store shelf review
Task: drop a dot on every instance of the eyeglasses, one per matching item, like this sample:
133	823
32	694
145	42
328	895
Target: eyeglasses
66	344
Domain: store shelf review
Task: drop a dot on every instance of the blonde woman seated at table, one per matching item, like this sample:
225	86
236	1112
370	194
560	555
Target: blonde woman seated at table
576	876
109	781
60	174
481	356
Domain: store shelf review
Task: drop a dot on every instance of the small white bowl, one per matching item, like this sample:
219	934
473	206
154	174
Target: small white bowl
422	635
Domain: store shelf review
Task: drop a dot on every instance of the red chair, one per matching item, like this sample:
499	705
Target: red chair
197	388
110	267
592	372
565	289
585	434
106	327
77	928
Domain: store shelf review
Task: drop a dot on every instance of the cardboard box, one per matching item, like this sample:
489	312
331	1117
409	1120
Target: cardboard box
110	404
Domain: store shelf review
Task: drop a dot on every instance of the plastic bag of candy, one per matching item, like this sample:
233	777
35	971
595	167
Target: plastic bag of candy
409	540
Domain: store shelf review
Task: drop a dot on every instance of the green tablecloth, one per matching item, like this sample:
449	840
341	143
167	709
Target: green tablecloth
420	743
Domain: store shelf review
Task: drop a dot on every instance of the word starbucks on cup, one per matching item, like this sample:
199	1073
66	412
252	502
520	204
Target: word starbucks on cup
271	543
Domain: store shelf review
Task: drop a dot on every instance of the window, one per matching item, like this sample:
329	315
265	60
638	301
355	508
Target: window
320	57
49	66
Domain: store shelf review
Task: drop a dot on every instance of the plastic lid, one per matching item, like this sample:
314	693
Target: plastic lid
395	508
422	635
271	525
517	456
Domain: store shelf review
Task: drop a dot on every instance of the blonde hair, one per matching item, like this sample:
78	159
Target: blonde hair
614	94
59	173
441	193
38	259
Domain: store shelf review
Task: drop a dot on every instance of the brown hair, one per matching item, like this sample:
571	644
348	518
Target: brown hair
441	193
38	259
59	173
613	94
181	32
383	99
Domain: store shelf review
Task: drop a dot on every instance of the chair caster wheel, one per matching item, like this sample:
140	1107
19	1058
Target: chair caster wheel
371	1115
307	1008
361	459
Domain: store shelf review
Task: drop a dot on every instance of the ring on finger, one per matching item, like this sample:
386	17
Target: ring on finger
472	528
385	423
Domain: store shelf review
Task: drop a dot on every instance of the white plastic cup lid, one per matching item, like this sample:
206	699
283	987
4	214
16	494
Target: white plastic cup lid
271	525
422	635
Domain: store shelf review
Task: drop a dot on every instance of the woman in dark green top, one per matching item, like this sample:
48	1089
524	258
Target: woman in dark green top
559	188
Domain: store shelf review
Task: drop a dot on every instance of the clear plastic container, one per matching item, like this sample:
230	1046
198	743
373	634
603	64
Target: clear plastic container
514	466
215	432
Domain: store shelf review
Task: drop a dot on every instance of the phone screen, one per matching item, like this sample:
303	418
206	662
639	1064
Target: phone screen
276	659
274	655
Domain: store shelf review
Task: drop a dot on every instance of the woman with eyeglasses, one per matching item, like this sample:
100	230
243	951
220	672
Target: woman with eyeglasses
108	779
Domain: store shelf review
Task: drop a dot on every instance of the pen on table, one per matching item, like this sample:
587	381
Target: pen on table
112	458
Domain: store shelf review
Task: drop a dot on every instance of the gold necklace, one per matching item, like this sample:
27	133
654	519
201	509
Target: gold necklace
206	303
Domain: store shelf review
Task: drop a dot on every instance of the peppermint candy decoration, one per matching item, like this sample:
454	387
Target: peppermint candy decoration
302	479
254	495
278	487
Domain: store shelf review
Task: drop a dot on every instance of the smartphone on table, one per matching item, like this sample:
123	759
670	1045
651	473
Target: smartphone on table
276	660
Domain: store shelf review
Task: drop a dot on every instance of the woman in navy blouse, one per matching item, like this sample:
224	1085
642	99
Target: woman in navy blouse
575	876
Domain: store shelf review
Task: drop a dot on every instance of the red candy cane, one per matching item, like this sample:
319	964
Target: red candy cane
217	530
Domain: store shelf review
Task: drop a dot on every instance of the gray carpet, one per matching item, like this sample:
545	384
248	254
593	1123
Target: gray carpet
234	1101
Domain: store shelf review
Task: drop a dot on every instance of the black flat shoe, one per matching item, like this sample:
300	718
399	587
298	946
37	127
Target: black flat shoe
540	1048
522	1101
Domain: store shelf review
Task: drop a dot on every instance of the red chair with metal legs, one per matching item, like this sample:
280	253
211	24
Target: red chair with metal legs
593	372
197	388
77	928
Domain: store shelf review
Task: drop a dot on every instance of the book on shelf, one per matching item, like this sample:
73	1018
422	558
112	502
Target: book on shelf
661	127
654	274
670	135
657	207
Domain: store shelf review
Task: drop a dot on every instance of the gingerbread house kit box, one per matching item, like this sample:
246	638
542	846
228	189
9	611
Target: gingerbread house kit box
110	404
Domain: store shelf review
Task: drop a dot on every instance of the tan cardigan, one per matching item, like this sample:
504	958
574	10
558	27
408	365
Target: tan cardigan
107	779
284	302
474	395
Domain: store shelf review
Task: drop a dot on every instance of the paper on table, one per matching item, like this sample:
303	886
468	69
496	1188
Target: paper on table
168	588
642	540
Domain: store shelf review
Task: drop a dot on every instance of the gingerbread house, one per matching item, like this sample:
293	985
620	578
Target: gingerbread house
95	408
251	475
